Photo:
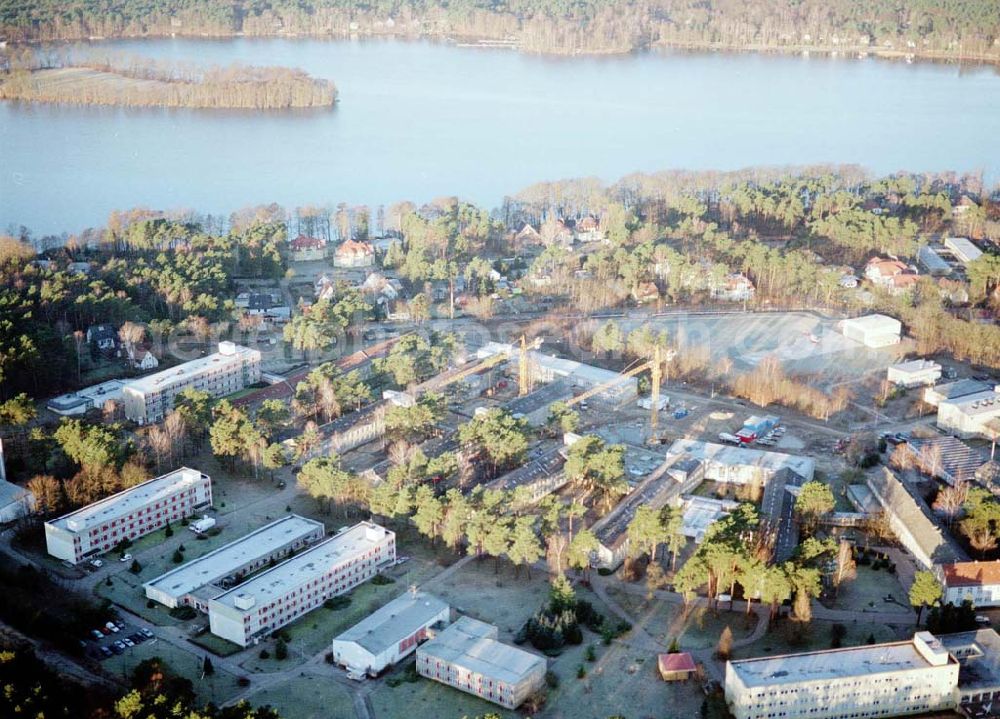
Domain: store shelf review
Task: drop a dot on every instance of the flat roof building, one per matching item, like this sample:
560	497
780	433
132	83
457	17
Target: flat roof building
934	396
274	598
468	656
931	261
194	583
701	512
389	634
978	655
914	373
229	370
882	680
137	511
741	465
873	330
973	415
15	501
86	399
978	582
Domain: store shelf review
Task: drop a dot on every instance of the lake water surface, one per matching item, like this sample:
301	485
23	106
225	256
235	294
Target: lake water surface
419	120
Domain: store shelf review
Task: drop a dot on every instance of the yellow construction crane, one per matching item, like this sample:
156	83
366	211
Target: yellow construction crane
655	366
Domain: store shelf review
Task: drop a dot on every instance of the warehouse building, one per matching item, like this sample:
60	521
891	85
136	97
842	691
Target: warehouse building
912	521
194	583
389	634
975	415
873	330
468	656
914	373
934	396
741	465
978	582
882	680
15	501
144	508
274	598
963	250
945	458
229	370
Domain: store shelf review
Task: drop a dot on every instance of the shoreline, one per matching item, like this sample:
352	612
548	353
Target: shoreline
852	52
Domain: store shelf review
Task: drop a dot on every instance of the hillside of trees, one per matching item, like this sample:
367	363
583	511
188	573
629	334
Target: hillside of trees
135	82
961	29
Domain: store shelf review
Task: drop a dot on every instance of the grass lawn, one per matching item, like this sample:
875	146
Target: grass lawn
216	645
308	697
218	688
866	591
698	629
621	681
786	637
426	698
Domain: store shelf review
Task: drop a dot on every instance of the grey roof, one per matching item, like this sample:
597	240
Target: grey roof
947	456
978	654
542	397
527	474
472	645
911	510
394	622
11	493
961	388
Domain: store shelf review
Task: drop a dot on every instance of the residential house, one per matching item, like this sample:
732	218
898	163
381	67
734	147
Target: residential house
354	254
736	287
307	249
79	268
588	229
557	232
890	274
646	292
104	337
978	582
964	204
528	235
142	359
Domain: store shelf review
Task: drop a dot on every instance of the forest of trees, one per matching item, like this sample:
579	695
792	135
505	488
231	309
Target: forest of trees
140	82
961	29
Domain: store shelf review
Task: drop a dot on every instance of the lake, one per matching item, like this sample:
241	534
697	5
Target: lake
417	120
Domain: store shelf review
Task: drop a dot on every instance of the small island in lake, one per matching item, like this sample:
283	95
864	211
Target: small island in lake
146	83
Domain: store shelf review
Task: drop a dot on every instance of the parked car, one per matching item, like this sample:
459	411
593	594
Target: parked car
125	557
128	642
97	634
146	633
118	648
105	652
112	627
96	563
982	619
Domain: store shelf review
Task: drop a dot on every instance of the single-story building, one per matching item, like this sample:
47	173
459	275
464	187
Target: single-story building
675	667
15	502
389	634
873	330
914	373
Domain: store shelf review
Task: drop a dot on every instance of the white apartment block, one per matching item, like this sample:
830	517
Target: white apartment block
881	680
389	634
233	367
274	598
99	527
194	583
468	657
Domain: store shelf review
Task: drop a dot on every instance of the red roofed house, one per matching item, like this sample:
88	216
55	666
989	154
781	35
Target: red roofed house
354	254
976	581
893	275
734	288
646	292
307	249
676	667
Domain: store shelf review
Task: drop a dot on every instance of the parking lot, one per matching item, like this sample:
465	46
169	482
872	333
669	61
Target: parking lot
115	637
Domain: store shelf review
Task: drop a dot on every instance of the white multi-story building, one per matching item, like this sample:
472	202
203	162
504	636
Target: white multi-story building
389	634
229	370
194	583
468	656
274	598
137	511
978	582
880	680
